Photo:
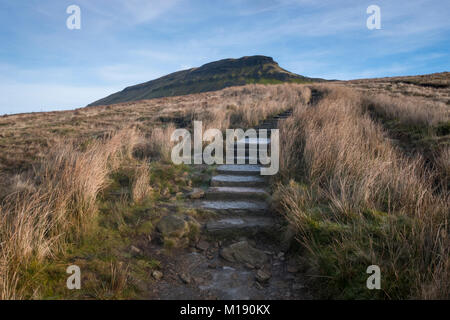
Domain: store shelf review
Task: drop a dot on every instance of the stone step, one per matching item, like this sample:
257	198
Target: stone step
247	149
246	160
267	127
233	193
254	142
239	181
236	208
239	169
269	123
241	225
283	116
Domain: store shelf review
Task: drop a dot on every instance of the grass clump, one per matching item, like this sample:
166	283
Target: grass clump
357	201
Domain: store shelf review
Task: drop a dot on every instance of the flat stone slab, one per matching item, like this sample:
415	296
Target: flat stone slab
236	207
245	160
236	193
242	169
236	224
253	141
235	180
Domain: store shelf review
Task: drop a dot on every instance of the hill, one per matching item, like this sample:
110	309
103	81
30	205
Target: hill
209	77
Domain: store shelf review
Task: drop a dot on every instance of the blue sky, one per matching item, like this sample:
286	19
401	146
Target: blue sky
45	66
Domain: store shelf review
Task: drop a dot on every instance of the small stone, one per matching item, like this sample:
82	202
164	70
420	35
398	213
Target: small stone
249	266
292	268
185	278
202	245
258	286
262	276
280	255
186	189
157	275
135	250
297	286
212	266
198	280
197	193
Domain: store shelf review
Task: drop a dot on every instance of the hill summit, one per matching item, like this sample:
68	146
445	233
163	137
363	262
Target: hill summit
209	77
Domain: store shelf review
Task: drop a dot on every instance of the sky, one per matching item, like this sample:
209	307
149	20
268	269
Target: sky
45	66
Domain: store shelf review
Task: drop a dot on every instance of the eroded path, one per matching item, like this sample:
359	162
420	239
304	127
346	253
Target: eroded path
241	251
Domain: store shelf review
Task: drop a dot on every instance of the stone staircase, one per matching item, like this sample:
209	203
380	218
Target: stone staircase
239	194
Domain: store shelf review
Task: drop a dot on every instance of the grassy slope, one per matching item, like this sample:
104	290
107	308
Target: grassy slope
356	199
26	139
91	195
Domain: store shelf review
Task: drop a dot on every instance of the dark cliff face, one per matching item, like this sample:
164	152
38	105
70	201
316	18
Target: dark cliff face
209	77
226	64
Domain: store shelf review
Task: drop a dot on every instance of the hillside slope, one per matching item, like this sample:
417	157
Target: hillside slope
209	77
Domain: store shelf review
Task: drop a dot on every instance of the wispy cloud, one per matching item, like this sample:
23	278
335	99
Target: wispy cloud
130	12
122	43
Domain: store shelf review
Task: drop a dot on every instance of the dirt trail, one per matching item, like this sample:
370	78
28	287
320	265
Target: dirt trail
241	250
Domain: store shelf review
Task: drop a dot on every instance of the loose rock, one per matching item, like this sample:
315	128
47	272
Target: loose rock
244	253
172	226
262	276
292	269
185	278
157	275
135	250
202	245
297	286
249	266
197	193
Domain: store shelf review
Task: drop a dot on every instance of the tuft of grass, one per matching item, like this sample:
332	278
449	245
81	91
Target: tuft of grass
356	200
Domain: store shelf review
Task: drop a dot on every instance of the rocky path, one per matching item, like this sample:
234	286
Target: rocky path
241	251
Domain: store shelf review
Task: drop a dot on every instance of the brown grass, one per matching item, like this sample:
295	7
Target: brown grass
141	184
410	111
36	221
378	205
355	197
27	138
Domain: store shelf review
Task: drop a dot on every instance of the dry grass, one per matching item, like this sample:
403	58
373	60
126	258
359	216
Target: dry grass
141	184
443	162
432	87
408	110
355	197
27	138
38	220
359	201
157	145
56	164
